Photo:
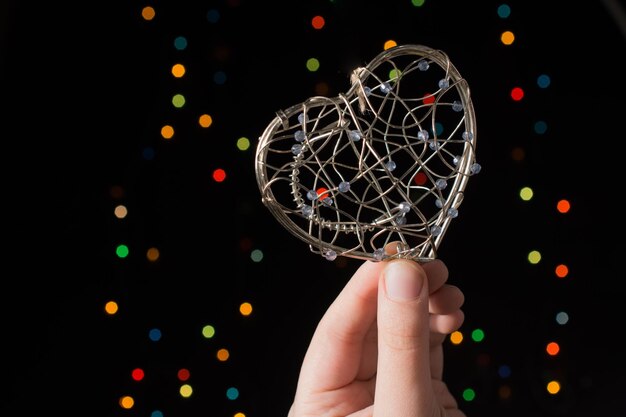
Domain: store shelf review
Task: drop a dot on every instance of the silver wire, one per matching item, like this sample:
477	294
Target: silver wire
386	162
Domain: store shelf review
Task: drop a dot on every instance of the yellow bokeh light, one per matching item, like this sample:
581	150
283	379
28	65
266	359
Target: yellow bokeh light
534	257
313	64
504	392
243	144
561	270
563	206
553	348
526	193
239	414
178	100
208	331
185	390
507	37
518	154
223	355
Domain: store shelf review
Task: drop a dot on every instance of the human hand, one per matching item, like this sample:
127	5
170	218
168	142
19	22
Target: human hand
377	351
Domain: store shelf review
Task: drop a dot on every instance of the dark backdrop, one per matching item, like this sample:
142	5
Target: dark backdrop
87	87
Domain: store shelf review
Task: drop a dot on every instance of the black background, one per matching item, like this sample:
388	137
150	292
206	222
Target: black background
86	89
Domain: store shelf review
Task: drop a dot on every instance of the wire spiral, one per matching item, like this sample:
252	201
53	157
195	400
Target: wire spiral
386	162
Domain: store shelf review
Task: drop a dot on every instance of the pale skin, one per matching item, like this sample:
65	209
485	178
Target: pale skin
378	349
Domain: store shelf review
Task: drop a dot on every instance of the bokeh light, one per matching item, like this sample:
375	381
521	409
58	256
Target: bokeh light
205	120
563	206
534	257
526	193
318	22
219	175
245	309
517	93
507	37
111	307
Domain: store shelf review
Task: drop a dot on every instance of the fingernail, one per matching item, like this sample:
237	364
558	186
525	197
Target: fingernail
402	281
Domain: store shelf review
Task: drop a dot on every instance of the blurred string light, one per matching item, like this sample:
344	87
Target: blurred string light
153	254
469	394
318	22
148	13
504	12
517	93
507	37
111	307
183	374
154	334
534	257
222	355
148	153
256	255
245	308
562	317
243	144
178	70
526	193
185	390
313	64
219	77
122	251
127	402
543	81
213	16
518	154
478	335
504	371
178	100
137	374
219	175
180	43
456	337
205	120
208	331
561	271
553	387
540	127
389	44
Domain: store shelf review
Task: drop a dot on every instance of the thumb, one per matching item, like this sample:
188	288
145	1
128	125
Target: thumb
403	381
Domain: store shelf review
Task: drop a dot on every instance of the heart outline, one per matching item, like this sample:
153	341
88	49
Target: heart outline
371	171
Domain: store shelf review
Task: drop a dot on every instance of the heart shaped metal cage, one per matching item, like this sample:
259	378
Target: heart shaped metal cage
386	162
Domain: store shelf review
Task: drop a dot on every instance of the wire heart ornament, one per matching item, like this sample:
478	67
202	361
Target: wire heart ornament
388	161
